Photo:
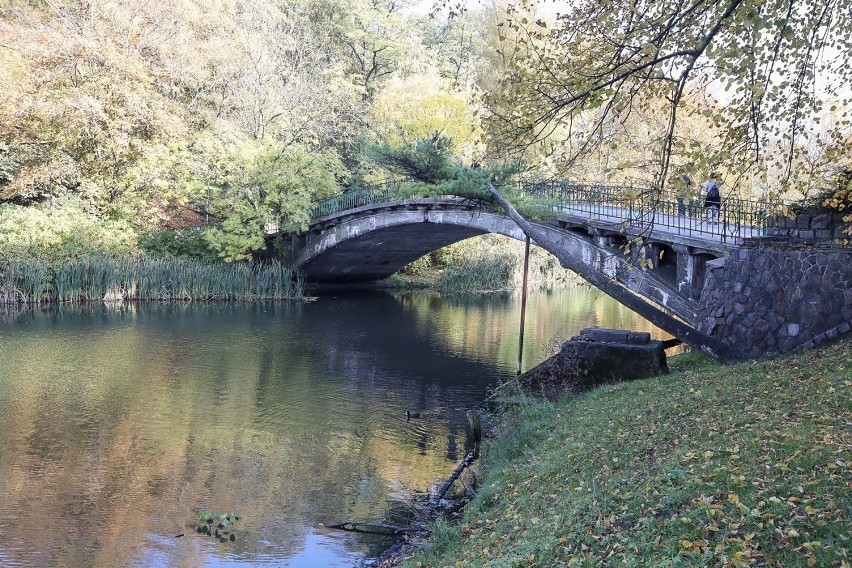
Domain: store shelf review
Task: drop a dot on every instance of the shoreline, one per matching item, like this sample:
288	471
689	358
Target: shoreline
687	466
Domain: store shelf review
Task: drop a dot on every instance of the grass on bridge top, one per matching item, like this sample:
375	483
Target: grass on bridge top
708	466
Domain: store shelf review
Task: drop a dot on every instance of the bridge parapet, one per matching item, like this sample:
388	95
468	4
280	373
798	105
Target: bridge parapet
638	208
822	227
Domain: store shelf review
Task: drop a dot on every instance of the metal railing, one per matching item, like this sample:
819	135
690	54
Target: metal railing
377	193
642	207
638	207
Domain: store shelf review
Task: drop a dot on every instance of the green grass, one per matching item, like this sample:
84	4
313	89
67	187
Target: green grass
484	264
708	466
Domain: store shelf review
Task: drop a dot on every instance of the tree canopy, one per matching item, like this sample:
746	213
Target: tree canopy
241	114
744	85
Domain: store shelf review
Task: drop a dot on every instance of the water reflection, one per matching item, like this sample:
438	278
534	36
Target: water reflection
118	425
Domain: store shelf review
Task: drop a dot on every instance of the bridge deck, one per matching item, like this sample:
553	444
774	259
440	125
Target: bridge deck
691	229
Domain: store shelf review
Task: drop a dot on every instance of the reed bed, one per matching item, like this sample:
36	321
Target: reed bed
125	279
478	274
494	262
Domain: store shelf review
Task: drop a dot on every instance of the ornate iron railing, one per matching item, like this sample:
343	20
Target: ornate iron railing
377	193
643	207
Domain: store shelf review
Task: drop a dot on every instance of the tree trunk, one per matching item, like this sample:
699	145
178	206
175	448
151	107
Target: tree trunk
707	344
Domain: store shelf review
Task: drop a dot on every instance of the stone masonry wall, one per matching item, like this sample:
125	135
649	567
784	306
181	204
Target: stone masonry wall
774	297
822	227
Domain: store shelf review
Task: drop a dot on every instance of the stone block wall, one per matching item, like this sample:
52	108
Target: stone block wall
774	297
822	227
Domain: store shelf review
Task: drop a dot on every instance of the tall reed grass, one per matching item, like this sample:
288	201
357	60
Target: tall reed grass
493	262
120	279
476	273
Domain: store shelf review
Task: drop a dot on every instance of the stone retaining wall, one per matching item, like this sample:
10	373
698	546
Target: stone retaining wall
823	227
776	296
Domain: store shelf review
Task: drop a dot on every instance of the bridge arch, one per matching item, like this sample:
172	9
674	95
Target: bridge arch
375	241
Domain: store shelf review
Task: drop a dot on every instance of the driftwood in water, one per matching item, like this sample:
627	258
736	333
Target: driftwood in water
447	484
382	528
375	528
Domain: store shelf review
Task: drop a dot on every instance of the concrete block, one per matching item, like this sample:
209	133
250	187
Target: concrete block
602	335
583	364
638	338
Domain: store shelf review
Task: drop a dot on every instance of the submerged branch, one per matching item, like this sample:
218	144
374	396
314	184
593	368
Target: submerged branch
374	528
469	458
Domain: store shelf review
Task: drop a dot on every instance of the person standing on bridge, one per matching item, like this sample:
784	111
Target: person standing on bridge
712	199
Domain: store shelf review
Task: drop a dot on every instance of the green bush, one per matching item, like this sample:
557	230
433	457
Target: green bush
419	267
188	243
479	273
61	234
471	254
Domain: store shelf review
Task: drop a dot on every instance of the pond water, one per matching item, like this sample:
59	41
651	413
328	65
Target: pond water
120	425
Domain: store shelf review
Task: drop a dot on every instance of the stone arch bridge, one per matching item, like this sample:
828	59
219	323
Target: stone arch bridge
375	235
763	284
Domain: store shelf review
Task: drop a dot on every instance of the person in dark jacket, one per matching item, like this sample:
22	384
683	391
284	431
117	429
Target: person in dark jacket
712	199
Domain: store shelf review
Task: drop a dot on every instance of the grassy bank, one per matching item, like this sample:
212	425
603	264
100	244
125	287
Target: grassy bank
708	466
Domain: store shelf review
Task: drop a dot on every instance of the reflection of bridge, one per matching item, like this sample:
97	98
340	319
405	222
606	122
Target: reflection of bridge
370	234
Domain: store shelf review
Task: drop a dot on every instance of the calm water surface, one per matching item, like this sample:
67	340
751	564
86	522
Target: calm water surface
119	426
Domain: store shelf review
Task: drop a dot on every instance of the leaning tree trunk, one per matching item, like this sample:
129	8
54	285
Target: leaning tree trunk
707	344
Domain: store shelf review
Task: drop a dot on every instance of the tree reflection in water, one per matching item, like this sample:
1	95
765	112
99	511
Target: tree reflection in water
119	425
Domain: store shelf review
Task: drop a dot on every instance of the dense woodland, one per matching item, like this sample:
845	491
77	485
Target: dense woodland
124	120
